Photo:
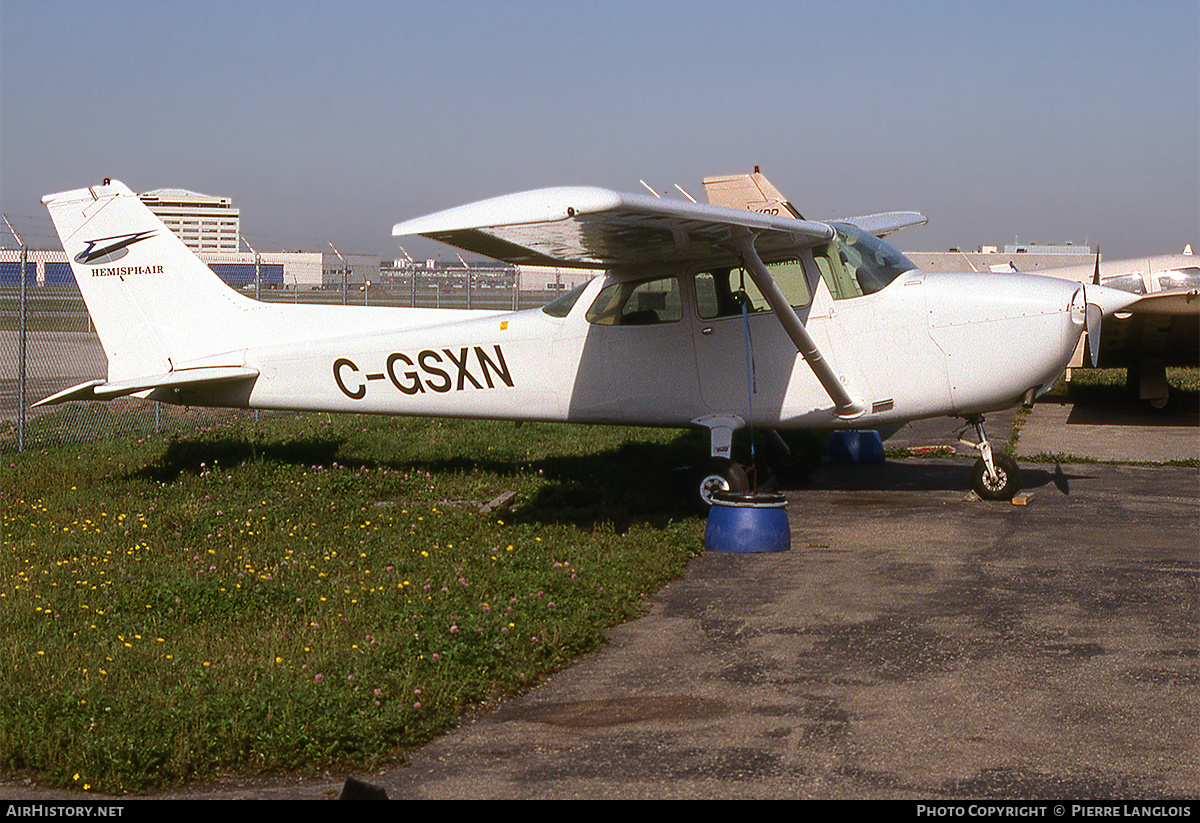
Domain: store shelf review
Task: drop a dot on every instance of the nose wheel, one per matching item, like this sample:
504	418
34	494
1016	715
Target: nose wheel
995	476
1002	483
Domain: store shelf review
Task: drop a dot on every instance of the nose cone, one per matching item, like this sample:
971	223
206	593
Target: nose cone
1002	334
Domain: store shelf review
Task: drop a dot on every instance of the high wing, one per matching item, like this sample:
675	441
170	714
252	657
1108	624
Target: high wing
597	228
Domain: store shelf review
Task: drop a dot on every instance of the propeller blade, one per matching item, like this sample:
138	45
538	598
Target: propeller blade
1094	317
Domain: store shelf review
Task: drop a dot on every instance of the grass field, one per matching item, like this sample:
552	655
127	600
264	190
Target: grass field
315	591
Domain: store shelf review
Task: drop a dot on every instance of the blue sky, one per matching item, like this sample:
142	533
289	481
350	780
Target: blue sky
1047	121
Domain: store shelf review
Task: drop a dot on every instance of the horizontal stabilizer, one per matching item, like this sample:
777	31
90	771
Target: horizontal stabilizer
100	390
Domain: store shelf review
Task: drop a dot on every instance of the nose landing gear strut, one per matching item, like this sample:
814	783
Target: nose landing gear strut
995	475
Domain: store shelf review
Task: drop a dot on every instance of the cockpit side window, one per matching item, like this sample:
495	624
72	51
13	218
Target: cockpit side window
832	265
721	292
637	303
1126	282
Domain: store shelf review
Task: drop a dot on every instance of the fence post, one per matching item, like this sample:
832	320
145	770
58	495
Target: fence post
22	344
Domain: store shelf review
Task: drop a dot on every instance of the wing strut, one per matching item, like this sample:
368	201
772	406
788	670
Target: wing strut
847	407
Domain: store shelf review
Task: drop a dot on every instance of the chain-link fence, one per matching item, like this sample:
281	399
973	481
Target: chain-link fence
47	343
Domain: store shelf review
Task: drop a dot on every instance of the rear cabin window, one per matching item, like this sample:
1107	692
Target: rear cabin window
637	303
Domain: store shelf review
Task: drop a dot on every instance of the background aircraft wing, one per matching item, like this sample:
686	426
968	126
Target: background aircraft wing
597	228
886	222
1171	301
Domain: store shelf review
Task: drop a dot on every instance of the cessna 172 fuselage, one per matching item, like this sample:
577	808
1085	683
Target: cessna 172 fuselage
703	316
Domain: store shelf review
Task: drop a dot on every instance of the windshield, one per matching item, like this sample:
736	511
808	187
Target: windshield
857	262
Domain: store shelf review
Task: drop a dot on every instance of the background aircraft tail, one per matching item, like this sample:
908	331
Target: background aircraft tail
749	191
156	305
756	193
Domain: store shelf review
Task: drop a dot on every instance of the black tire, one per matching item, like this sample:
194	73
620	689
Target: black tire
1006	484
713	475
1158	405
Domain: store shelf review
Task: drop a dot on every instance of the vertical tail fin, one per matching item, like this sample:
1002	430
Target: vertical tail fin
156	306
749	191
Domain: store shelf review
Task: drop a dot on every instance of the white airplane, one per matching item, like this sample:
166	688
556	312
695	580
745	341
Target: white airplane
840	330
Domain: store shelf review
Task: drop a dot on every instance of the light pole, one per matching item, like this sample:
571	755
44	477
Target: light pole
345	270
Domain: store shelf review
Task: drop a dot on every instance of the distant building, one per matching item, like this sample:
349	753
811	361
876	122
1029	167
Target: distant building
554	278
203	222
1030	257
276	270
210	226
1035	248
349	269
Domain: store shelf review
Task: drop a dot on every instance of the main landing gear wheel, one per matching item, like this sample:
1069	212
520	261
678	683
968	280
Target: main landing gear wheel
796	456
716	474
1004	485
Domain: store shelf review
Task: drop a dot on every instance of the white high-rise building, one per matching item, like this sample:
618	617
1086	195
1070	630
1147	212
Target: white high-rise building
204	223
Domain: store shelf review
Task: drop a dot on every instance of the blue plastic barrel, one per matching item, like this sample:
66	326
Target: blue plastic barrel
856	447
748	522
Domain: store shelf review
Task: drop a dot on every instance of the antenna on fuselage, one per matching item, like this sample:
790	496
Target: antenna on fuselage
647	186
